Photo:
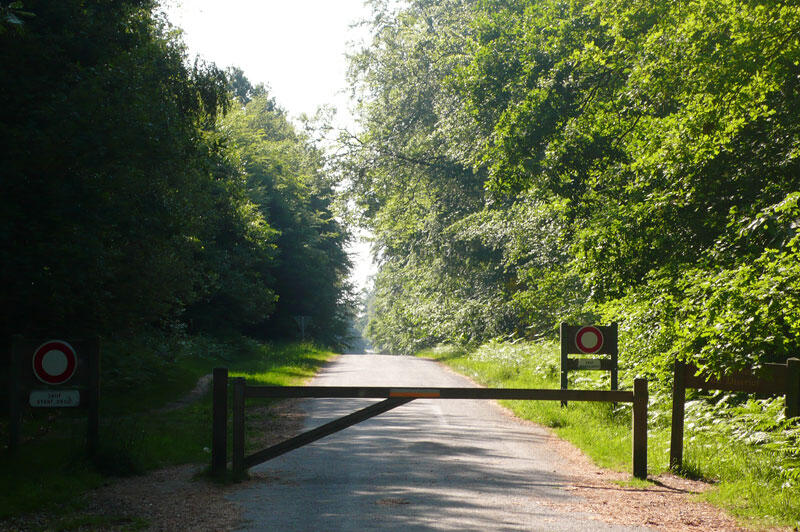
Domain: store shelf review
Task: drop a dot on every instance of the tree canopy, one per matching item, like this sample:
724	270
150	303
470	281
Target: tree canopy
527	162
143	189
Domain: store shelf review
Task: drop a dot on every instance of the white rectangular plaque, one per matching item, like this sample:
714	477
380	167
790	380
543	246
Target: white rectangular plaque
55	398
589	363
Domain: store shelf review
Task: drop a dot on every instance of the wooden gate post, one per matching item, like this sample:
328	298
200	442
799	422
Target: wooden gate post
219	423
238	425
564	357
640	397
93	396
678	411
792	387
14	406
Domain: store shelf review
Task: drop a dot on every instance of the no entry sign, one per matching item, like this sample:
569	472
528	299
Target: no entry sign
54	362
589	339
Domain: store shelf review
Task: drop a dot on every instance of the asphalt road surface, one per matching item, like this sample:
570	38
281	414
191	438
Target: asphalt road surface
433	464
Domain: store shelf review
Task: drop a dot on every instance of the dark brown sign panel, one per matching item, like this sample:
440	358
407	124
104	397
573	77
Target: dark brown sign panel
589	340
54	373
771	378
32	360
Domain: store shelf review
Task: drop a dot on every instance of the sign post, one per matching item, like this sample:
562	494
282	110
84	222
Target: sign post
219	422
14	403
589	340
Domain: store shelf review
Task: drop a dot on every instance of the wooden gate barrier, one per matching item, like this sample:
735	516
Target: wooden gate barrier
771	379
392	398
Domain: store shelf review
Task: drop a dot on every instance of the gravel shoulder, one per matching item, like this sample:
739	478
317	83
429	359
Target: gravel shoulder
179	498
176	499
670	503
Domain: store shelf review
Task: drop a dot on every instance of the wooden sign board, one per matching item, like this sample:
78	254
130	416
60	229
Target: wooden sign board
54	373
770	379
589	340
29	365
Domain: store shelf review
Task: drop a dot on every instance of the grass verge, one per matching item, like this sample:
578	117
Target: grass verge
755	482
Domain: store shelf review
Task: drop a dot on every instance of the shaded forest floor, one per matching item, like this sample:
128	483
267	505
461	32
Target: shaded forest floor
177	498
155	427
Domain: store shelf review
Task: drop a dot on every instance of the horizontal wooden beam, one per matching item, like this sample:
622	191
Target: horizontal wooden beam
380	392
770	378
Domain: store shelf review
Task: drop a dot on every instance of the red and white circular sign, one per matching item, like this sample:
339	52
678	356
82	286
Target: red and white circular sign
589	339
54	362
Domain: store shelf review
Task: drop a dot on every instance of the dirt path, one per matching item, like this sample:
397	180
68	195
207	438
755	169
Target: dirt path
201	388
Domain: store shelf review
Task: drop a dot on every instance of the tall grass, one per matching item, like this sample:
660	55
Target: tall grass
743	445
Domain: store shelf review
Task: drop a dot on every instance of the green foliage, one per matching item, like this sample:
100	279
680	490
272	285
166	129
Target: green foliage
13	16
456	267
103	169
286	182
660	140
240	87
525	162
58	474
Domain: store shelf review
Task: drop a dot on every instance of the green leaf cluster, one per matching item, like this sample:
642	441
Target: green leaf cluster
288	185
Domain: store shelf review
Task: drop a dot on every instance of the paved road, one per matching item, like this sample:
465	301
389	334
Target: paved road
428	465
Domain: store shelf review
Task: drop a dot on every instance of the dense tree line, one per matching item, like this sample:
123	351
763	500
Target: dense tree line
525	162
141	189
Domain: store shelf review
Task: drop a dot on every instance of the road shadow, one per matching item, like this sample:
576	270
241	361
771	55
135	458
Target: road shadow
407	470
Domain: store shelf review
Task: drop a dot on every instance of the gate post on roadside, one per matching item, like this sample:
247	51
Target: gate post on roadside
238	425
792	387
93	396
219	422
14	403
564	362
678	410
640	397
